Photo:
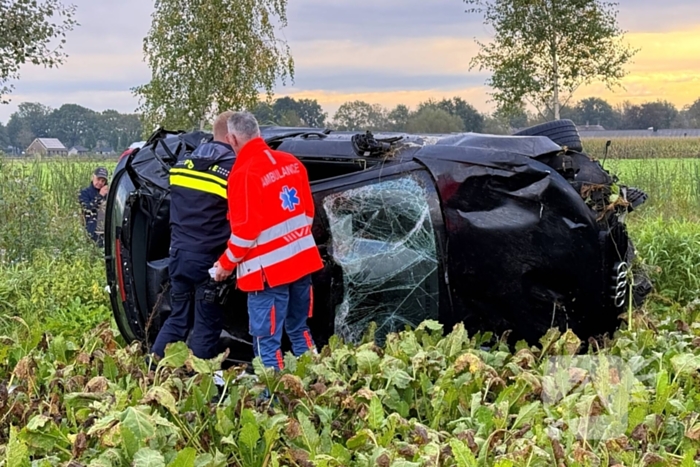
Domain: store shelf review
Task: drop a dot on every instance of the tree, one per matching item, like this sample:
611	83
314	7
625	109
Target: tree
360	116
472	120
27	28
543	50
594	111
4	138
434	120
659	115
693	114
73	125
207	56
398	118
306	112
31	120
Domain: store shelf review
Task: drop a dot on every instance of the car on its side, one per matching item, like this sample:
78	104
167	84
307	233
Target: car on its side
502	233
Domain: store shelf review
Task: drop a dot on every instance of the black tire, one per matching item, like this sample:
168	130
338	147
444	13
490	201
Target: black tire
562	132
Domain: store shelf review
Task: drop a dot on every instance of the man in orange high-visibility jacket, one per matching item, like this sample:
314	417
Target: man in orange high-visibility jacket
271	212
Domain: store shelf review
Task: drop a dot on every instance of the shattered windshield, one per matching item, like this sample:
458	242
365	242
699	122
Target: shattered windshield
383	240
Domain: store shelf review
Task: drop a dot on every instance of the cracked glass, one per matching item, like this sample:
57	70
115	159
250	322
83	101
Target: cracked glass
384	242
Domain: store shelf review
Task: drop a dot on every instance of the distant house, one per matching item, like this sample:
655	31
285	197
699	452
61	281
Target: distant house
47	147
78	150
104	150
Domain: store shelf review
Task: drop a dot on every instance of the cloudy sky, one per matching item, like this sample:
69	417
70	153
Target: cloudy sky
381	51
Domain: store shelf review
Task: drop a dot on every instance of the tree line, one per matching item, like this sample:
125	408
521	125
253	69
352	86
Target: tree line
456	115
72	124
76	125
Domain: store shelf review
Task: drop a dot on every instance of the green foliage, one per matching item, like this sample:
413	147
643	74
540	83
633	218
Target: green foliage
542	51
209	56
434	120
673	185
51	275
471	119
672	248
72	125
360	116
287	111
28	31
425	398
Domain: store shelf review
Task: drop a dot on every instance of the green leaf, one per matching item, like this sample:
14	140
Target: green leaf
17	452
462	454
224	425
131	443
357	441
686	363
689	458
139	423
185	458
37	422
176	355
526	414
376	413
163	397
404	463
309	434
341	454
431	325
368	361
396	377
147	457
249	436
110	370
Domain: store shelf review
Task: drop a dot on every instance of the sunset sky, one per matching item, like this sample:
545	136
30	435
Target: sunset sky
380	51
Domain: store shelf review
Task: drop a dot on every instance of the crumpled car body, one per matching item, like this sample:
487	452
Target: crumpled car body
506	234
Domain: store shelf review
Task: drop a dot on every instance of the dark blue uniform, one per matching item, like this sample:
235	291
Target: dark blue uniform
90	200
199	232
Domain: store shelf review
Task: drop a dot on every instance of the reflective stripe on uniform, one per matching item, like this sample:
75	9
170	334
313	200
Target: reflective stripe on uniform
198	174
311	301
310	220
282	229
276	256
198	184
238	241
232	258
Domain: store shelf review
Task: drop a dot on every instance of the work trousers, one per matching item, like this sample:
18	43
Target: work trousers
277	309
191	318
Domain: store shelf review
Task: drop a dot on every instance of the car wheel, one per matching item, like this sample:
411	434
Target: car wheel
562	132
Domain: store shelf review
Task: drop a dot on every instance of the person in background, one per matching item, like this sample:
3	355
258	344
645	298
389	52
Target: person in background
199	231
271	211
92	200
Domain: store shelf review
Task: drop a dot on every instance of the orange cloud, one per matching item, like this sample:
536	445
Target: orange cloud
667	67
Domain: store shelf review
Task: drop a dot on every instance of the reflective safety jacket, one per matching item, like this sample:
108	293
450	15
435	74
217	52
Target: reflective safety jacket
198	207
271	211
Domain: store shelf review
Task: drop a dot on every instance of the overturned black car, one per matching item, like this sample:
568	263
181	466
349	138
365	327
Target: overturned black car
503	233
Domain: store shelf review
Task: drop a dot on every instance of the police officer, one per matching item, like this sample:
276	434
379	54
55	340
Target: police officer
199	231
271	247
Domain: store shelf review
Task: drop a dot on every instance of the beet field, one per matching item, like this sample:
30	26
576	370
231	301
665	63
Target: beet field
74	393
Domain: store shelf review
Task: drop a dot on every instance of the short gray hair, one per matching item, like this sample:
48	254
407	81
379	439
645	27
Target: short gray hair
244	125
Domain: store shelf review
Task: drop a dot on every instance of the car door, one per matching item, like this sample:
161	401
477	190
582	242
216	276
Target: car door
380	233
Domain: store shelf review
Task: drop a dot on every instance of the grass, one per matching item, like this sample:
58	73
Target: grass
643	148
81	396
673	185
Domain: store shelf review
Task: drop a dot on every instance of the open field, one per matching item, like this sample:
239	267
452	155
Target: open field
83	396
643	148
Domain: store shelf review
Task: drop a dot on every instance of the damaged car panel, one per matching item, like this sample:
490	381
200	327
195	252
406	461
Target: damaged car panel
503	233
